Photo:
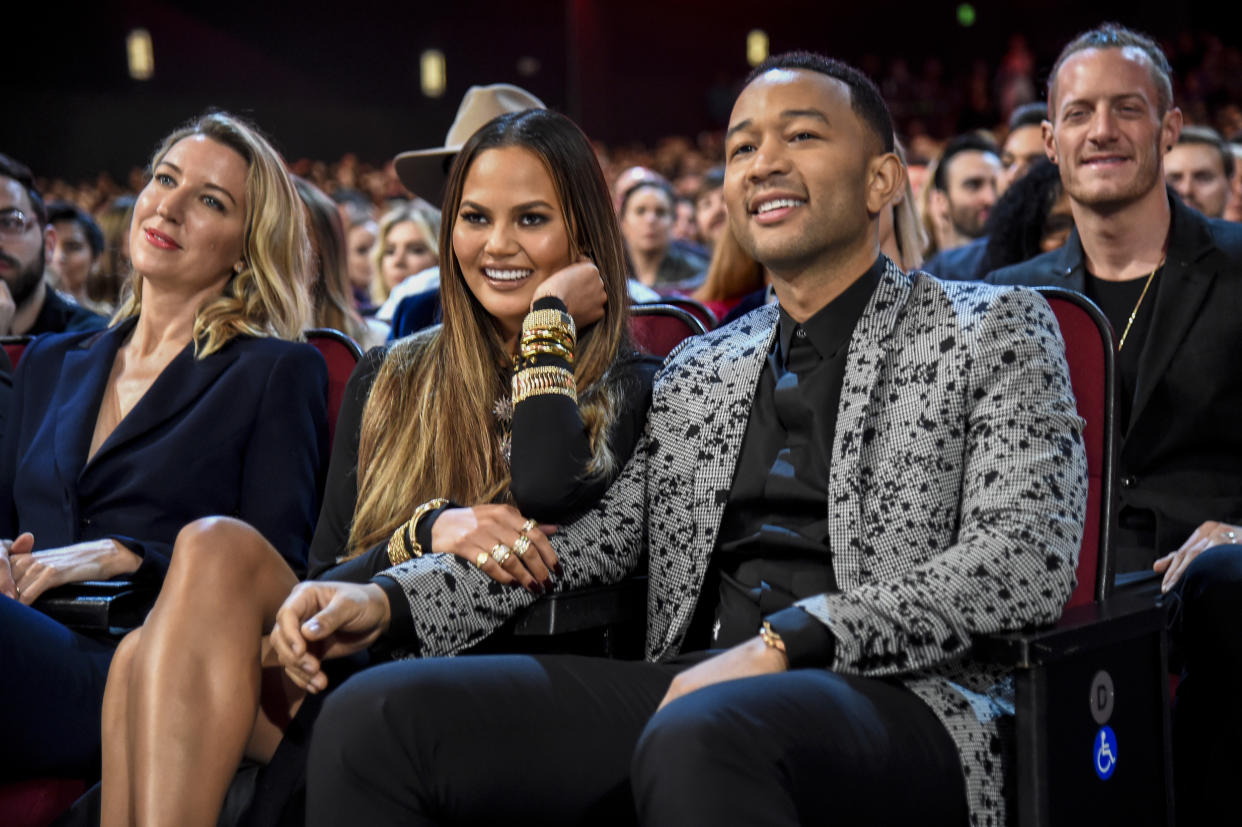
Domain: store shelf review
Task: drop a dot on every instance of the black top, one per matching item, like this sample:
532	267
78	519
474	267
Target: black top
773	547
1118	300
550	454
60	316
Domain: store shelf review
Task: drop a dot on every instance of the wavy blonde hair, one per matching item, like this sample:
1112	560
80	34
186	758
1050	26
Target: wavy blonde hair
428	429
269	296
422	215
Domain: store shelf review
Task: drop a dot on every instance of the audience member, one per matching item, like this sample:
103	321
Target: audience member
684	228
484	451
1024	145
1032	217
1168	279
964	189
27	305
646	225
1199	168
113	272
189	405
861	673
709	207
406	250
901	232
330	303
75	258
360	234
732	276
965	185
1233	208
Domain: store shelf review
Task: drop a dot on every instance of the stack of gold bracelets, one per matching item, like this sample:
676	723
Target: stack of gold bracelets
404	544
545	333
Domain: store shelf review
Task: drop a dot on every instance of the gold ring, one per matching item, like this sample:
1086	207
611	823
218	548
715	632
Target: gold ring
500	553
481	560
527	526
521	545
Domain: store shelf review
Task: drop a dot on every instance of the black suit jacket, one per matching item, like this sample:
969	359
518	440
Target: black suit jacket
242	432
1181	454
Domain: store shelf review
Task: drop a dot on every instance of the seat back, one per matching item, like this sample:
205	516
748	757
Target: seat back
657	328
1092	357
341	353
695	308
15	346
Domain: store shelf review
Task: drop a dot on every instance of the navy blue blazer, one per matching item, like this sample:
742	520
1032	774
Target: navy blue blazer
242	432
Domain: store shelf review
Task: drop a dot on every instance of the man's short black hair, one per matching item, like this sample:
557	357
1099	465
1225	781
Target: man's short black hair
1117	36
58	211
1028	114
19	172
966	142
1208	136
865	98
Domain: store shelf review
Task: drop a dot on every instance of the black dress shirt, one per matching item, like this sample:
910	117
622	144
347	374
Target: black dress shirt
773	547
60	316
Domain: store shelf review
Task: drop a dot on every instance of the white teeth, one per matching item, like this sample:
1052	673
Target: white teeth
506	275
768	206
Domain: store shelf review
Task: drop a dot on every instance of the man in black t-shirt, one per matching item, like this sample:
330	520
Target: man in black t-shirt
1170	282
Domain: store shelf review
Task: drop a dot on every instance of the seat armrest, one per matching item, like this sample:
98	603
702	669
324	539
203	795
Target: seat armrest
582	609
1080	629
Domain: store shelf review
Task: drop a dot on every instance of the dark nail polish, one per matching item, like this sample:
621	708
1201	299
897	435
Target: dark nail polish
534	587
556	568
547	585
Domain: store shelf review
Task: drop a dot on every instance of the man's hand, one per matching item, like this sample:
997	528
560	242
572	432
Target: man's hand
754	657
1205	537
35	573
321	620
8	309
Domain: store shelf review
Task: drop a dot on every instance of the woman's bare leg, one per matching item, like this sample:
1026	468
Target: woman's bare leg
191	689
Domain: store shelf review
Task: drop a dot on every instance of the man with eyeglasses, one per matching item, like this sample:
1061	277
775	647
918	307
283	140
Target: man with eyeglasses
27	305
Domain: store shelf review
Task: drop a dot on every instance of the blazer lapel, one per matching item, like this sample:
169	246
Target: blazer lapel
79	391
862	367
1188	273
1068	269
178	385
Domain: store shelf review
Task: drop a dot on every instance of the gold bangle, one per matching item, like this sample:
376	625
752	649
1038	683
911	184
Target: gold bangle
558	333
771	638
406	537
530	351
549	318
541	380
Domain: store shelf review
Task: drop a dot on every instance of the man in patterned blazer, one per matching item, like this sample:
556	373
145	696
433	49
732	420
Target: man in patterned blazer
876	470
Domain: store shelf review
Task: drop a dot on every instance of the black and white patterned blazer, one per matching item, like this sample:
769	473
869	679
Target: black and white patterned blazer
956	501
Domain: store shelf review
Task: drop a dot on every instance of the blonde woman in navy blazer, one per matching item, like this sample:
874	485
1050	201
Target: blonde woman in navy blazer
190	404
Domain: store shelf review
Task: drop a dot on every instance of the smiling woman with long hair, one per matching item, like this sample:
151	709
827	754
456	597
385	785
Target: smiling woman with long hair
189	405
462	443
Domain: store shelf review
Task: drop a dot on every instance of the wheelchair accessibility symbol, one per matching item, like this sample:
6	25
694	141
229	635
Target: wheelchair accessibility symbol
1105	752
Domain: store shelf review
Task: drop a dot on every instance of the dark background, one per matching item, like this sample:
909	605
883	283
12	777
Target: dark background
327	78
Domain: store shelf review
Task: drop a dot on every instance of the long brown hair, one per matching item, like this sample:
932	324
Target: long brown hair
429	429
732	272
330	281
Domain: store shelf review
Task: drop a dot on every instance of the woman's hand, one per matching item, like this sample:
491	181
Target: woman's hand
580	287
1206	536
475	535
333	619
22	545
34	573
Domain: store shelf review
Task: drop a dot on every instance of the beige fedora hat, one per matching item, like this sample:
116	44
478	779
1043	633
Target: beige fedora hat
424	171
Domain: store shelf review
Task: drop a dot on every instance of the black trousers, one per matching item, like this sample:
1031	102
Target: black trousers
558	739
1206	636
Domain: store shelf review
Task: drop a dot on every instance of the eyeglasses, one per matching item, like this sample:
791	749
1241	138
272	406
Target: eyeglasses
13	222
